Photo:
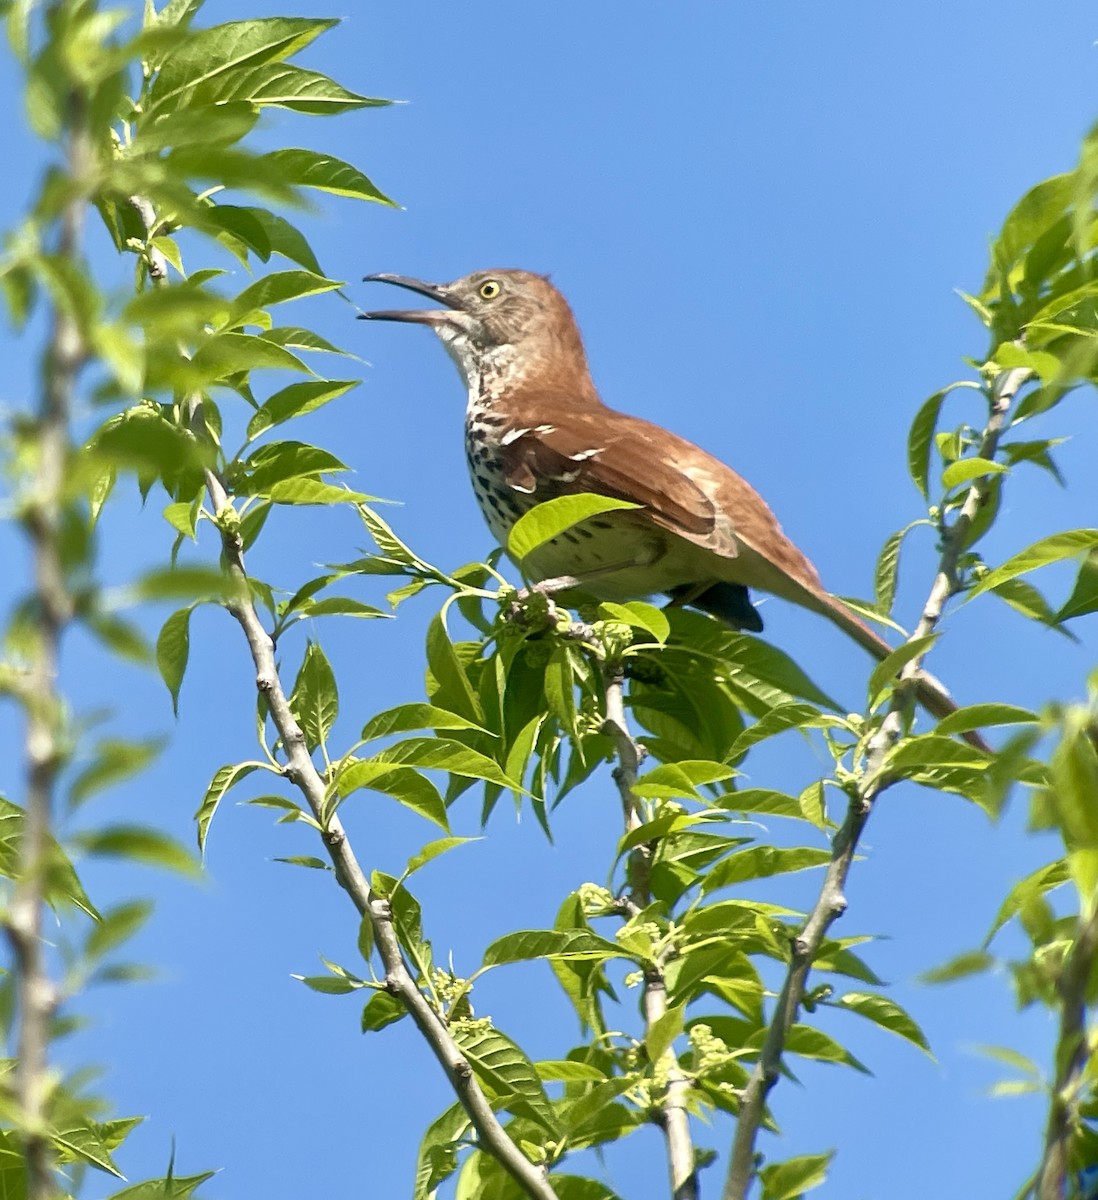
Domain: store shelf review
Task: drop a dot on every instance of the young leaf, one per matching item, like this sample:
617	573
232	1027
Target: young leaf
760	862
114	761
307	168
886	1013
173	648
314	700
138	843
888	668
225	49
791	1179
382	1009
1048	550
224	778
546	521
404	784
406	717
295	401
560	944
964	470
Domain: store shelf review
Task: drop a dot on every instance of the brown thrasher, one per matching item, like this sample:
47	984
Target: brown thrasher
536	428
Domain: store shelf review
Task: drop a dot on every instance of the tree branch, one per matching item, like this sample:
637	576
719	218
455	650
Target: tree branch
831	902
673	1117
1072	1055
302	772
37	995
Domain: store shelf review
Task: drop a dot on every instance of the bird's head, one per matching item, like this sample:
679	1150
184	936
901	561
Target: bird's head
505	324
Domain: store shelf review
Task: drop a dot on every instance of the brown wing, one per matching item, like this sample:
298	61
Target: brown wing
555	448
611	454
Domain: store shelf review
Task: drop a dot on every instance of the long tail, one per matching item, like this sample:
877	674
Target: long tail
931	693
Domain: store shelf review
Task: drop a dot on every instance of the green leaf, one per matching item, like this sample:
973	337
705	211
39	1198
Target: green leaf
341	606
795	1176
115	760
406	717
1073	790
682	778
276	288
138	843
507	1074
1048	550
964	470
297	338
761	862
313	491
242	224
314	700
221	52
329	985
972	962
1027	890
285	239
761	800
887	572
175	1187
404	784
221	126
1023	597
437	1159
224	778
452	691
640	615
305	860
546	521
1012	1058
1084	595
526	945
382	1009
886	1013
442	754
295	401
173	648
1037	211
283	85
979	716
785	716
183	583
432	851
886	671
116	926
663	1031
920	439
308	168
220	355
279	462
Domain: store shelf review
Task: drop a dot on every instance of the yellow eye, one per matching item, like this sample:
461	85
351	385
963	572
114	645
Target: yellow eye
490	289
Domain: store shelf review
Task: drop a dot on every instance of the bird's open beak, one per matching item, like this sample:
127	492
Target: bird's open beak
438	292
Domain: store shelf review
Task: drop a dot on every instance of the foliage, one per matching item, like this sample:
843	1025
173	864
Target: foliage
151	127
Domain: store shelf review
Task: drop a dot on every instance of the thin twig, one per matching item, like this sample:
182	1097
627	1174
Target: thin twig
673	1117
831	902
302	772
36	992
1072	1054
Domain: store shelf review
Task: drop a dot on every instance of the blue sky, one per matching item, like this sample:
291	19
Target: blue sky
759	213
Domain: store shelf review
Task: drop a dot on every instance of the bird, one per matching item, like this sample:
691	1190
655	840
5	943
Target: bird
536	428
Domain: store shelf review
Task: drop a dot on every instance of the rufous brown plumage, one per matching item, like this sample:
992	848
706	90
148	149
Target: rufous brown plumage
536	428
